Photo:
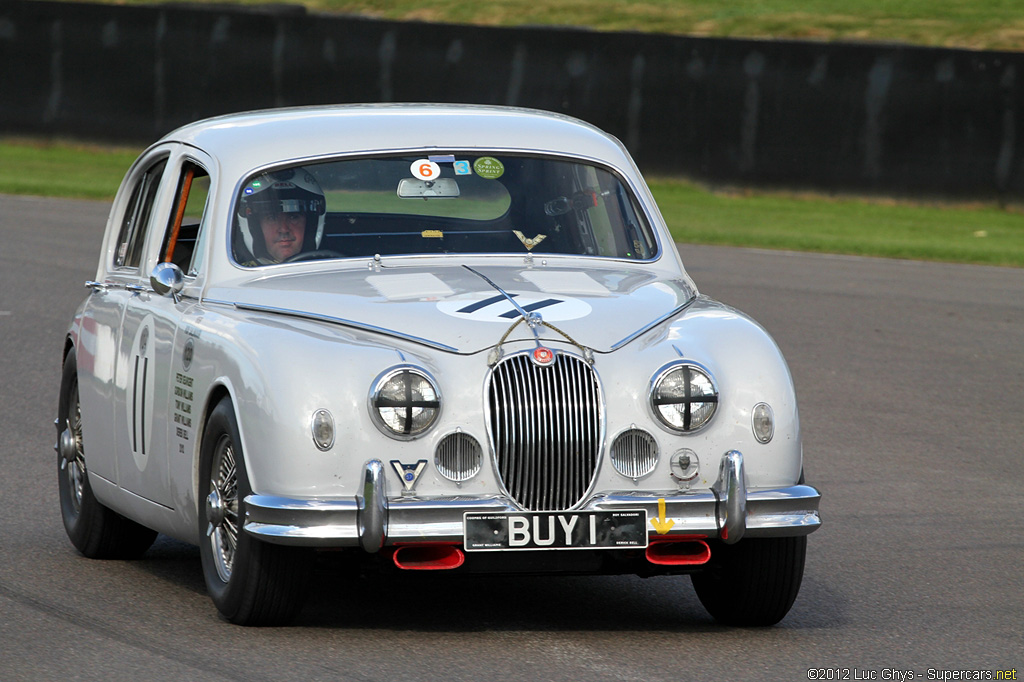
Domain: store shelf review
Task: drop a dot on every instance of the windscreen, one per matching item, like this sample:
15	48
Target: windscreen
439	204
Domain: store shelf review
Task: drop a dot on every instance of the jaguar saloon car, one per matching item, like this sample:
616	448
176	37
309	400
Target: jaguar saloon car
421	338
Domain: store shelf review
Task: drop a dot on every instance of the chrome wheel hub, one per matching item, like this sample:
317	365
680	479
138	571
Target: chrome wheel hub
215	512
69	447
222	508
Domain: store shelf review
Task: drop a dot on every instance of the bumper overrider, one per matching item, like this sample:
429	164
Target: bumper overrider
728	512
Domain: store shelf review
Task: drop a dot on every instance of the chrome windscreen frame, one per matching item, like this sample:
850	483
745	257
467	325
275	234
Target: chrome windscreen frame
639	200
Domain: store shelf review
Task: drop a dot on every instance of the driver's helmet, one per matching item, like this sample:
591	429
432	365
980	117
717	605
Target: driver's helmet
293	190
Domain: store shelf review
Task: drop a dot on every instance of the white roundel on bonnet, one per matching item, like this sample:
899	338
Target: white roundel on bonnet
493	307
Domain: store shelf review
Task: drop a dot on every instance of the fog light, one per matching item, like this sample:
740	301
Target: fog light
763	421
323	429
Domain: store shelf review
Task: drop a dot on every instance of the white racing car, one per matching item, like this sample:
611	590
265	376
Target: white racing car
424	337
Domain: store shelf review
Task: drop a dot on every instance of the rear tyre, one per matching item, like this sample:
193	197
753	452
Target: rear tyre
95	531
251	582
754	582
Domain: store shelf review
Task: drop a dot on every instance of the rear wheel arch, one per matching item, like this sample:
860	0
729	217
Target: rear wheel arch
95	530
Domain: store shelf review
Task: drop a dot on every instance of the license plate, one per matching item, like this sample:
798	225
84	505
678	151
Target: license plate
622	529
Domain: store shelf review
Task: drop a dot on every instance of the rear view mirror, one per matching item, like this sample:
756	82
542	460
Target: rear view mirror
167	280
580	201
410	188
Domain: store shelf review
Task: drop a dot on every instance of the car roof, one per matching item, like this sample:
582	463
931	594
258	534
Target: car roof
246	141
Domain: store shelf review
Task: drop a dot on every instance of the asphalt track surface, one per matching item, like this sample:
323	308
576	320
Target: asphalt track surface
911	382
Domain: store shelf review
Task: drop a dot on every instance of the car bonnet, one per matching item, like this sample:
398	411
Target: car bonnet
467	310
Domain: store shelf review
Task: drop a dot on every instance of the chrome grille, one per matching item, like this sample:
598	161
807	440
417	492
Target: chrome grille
458	457
634	453
546	429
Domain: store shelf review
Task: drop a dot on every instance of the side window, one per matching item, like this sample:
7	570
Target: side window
184	236
132	238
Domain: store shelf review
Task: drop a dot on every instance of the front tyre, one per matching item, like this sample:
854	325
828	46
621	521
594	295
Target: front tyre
250	582
754	582
95	531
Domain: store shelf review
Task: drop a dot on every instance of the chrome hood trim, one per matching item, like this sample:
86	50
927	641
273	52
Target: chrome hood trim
452	309
338	320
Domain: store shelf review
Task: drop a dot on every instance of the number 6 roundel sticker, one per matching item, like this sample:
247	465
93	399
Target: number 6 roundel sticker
425	169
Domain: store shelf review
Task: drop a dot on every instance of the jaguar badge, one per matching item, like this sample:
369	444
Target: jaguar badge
543	356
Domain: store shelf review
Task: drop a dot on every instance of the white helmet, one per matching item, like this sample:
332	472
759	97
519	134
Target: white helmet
292	190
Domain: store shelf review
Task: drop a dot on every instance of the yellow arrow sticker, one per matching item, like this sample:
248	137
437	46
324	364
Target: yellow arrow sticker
661	524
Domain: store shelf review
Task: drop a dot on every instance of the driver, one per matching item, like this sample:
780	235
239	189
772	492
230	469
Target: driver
280	215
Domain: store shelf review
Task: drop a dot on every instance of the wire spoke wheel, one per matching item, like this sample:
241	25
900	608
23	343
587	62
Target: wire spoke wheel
250	582
94	530
74	470
222	507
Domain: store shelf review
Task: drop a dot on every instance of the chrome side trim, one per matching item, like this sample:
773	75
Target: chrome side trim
437	345
731	491
651	325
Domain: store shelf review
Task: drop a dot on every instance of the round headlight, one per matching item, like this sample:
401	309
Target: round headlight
684	397
405	402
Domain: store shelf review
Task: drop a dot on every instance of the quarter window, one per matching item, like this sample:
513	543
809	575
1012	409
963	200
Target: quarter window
131	240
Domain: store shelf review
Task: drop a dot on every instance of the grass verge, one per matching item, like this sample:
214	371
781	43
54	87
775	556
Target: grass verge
977	24
957	233
62	169
982	234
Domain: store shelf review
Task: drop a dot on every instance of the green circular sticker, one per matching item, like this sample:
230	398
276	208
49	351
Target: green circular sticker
488	167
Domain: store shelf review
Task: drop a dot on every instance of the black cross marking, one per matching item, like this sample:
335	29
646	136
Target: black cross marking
530	308
511	314
408	404
473	307
688	399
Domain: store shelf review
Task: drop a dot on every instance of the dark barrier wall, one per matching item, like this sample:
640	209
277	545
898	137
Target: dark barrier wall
835	117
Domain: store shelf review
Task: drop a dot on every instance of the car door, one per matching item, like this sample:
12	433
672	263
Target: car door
100	370
156	406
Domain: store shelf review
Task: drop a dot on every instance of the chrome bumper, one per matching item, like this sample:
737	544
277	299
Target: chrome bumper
728	511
